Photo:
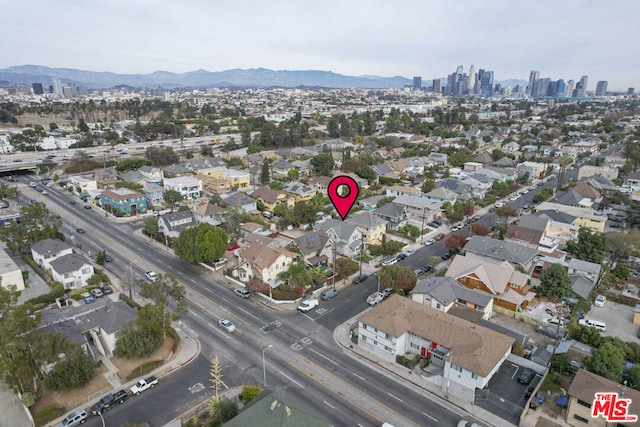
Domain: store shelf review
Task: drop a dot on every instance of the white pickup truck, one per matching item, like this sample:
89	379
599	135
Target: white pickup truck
375	298
307	305
142	385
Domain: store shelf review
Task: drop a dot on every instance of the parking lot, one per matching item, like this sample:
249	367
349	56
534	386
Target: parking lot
618	318
506	396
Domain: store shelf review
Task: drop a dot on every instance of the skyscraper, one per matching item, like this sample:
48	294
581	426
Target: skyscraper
581	87
37	88
486	85
631	90
569	91
417	83
471	83
601	88
533	78
57	86
436	85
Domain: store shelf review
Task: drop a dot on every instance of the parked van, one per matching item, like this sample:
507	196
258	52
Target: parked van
267	214
594	324
328	294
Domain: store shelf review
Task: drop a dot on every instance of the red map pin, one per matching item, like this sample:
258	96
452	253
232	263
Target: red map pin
343	204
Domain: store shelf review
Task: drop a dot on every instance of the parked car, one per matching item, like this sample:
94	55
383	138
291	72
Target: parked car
97	292
409	252
74	419
401	256
375	298
88	207
359	279
418	272
492	209
555	321
600	300
307	305
426	268
143	385
455	228
219	261
446	256
80	230
499	205
242	292
151	276
106	289
429	242
328	294
233	247
526	376
439	236
227	325
390	261
386	292
87	297
465	423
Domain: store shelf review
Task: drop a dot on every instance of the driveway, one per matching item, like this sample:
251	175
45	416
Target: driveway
618	318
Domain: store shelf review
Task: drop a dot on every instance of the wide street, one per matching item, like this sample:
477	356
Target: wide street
303	357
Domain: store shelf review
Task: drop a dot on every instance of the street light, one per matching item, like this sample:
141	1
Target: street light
264	366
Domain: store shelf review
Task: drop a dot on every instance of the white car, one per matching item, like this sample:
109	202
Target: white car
151	276
455	228
227	325
525	191
625	190
409	252
33	184
429	242
499	205
600	300
390	261
515	197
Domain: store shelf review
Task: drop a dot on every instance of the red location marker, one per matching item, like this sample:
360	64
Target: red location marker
343	203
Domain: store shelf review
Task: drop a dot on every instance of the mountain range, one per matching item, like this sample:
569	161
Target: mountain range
254	77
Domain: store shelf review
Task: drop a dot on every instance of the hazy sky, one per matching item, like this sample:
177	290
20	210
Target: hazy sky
429	38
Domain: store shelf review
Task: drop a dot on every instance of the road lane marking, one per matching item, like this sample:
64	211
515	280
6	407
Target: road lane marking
361	377
395	397
322	355
329	405
291	379
250	314
434	419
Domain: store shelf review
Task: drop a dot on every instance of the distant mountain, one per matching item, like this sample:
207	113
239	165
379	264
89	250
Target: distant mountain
255	77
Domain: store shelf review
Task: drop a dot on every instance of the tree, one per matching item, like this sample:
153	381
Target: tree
345	267
172	197
454	242
293	174
202	243
249	392
296	275
151	226
322	164
590	246
302	213
555	282
135	341
607	361
398	278
132	164
479	229
164	285
428	185
73	371
156	318
254	149
161	156
506	212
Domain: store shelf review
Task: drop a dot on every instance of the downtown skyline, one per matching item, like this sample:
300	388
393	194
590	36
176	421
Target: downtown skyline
407	38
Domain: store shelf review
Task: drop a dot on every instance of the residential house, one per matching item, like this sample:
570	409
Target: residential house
71	270
272	198
106	178
587	191
479	185
573	198
316	248
370	203
175	170
531	231
281	168
320	183
94	327
439	159
486	248
384	170
371	226
240	180
154	194
301	192
442	195
82	186
173	223
45	251
212	185
262	262
588	171
303	167
469	354
601	183
448	295
560	225
507	285
511	148
123	201
472	166
585	217
208	212
419	210
534	169
395	215
483	158
463	191
399	190
585	390
277	408
632	180
189	187
242	201
10	272
585	269
134	177
347	237
152	174
503	162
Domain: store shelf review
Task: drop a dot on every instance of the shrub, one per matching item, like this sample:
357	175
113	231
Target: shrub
57	290
249	392
553	381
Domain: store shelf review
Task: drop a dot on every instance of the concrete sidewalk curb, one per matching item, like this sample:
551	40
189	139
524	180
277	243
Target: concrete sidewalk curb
340	335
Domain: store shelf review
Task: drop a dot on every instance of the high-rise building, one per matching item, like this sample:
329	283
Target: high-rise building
57	86
569	91
417	83
486	84
472	82
561	89
436	85
631	90
533	78
37	88
581	87
541	87
601	88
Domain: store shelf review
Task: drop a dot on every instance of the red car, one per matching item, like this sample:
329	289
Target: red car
439	236
233	247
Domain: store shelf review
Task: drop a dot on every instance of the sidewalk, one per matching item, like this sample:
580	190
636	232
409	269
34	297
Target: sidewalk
342	336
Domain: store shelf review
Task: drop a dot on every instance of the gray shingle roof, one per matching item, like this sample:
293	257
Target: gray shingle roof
68	263
447	290
499	249
366	220
53	246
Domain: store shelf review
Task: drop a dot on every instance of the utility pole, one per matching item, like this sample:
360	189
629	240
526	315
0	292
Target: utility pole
334	265
361	252
422	227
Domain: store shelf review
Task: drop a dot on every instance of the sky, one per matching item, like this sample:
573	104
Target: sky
428	38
